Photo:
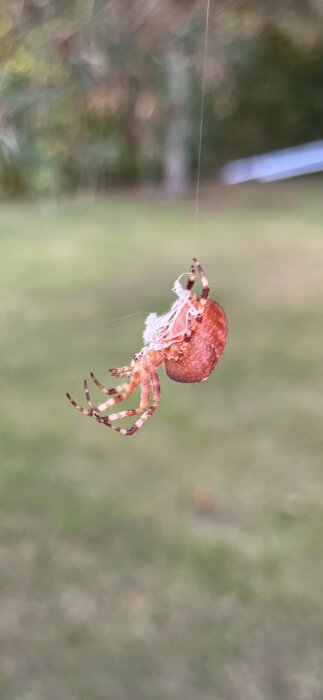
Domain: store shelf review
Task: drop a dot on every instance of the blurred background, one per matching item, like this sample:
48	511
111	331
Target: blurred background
186	561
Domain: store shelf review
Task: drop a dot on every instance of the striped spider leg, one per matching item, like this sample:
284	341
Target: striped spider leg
144	378
205	285
148	378
118	393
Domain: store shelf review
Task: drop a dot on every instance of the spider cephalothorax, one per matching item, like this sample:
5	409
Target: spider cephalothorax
188	340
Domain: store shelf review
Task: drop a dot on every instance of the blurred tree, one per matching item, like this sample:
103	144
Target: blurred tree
97	92
276	96
176	132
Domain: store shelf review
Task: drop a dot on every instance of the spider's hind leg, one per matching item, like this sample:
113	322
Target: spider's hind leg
205	286
205	290
204	281
191	279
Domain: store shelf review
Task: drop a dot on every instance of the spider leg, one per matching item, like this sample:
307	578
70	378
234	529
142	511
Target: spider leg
152	375
121	371
78	406
144	398
122	391
88	398
155	386
191	279
180	337
205	284
205	289
115	390
129	388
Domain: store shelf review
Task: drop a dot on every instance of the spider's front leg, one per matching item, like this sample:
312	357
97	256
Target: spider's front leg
78	405
155	386
143	379
128	389
118	393
91	411
148	375
115	390
121	371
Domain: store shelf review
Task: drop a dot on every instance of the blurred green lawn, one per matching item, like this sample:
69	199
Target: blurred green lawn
114	584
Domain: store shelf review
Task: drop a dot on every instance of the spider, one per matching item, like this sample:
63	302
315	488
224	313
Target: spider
188	340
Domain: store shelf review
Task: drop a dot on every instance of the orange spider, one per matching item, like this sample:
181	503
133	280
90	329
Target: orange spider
188	340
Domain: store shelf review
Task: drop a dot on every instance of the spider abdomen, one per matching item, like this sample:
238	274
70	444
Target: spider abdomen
199	356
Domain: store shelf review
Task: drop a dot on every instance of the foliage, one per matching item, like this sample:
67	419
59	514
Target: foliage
276	96
84	86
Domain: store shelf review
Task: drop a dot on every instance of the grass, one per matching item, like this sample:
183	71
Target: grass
116	583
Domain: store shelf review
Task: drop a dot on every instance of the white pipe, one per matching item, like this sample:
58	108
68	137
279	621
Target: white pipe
288	162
